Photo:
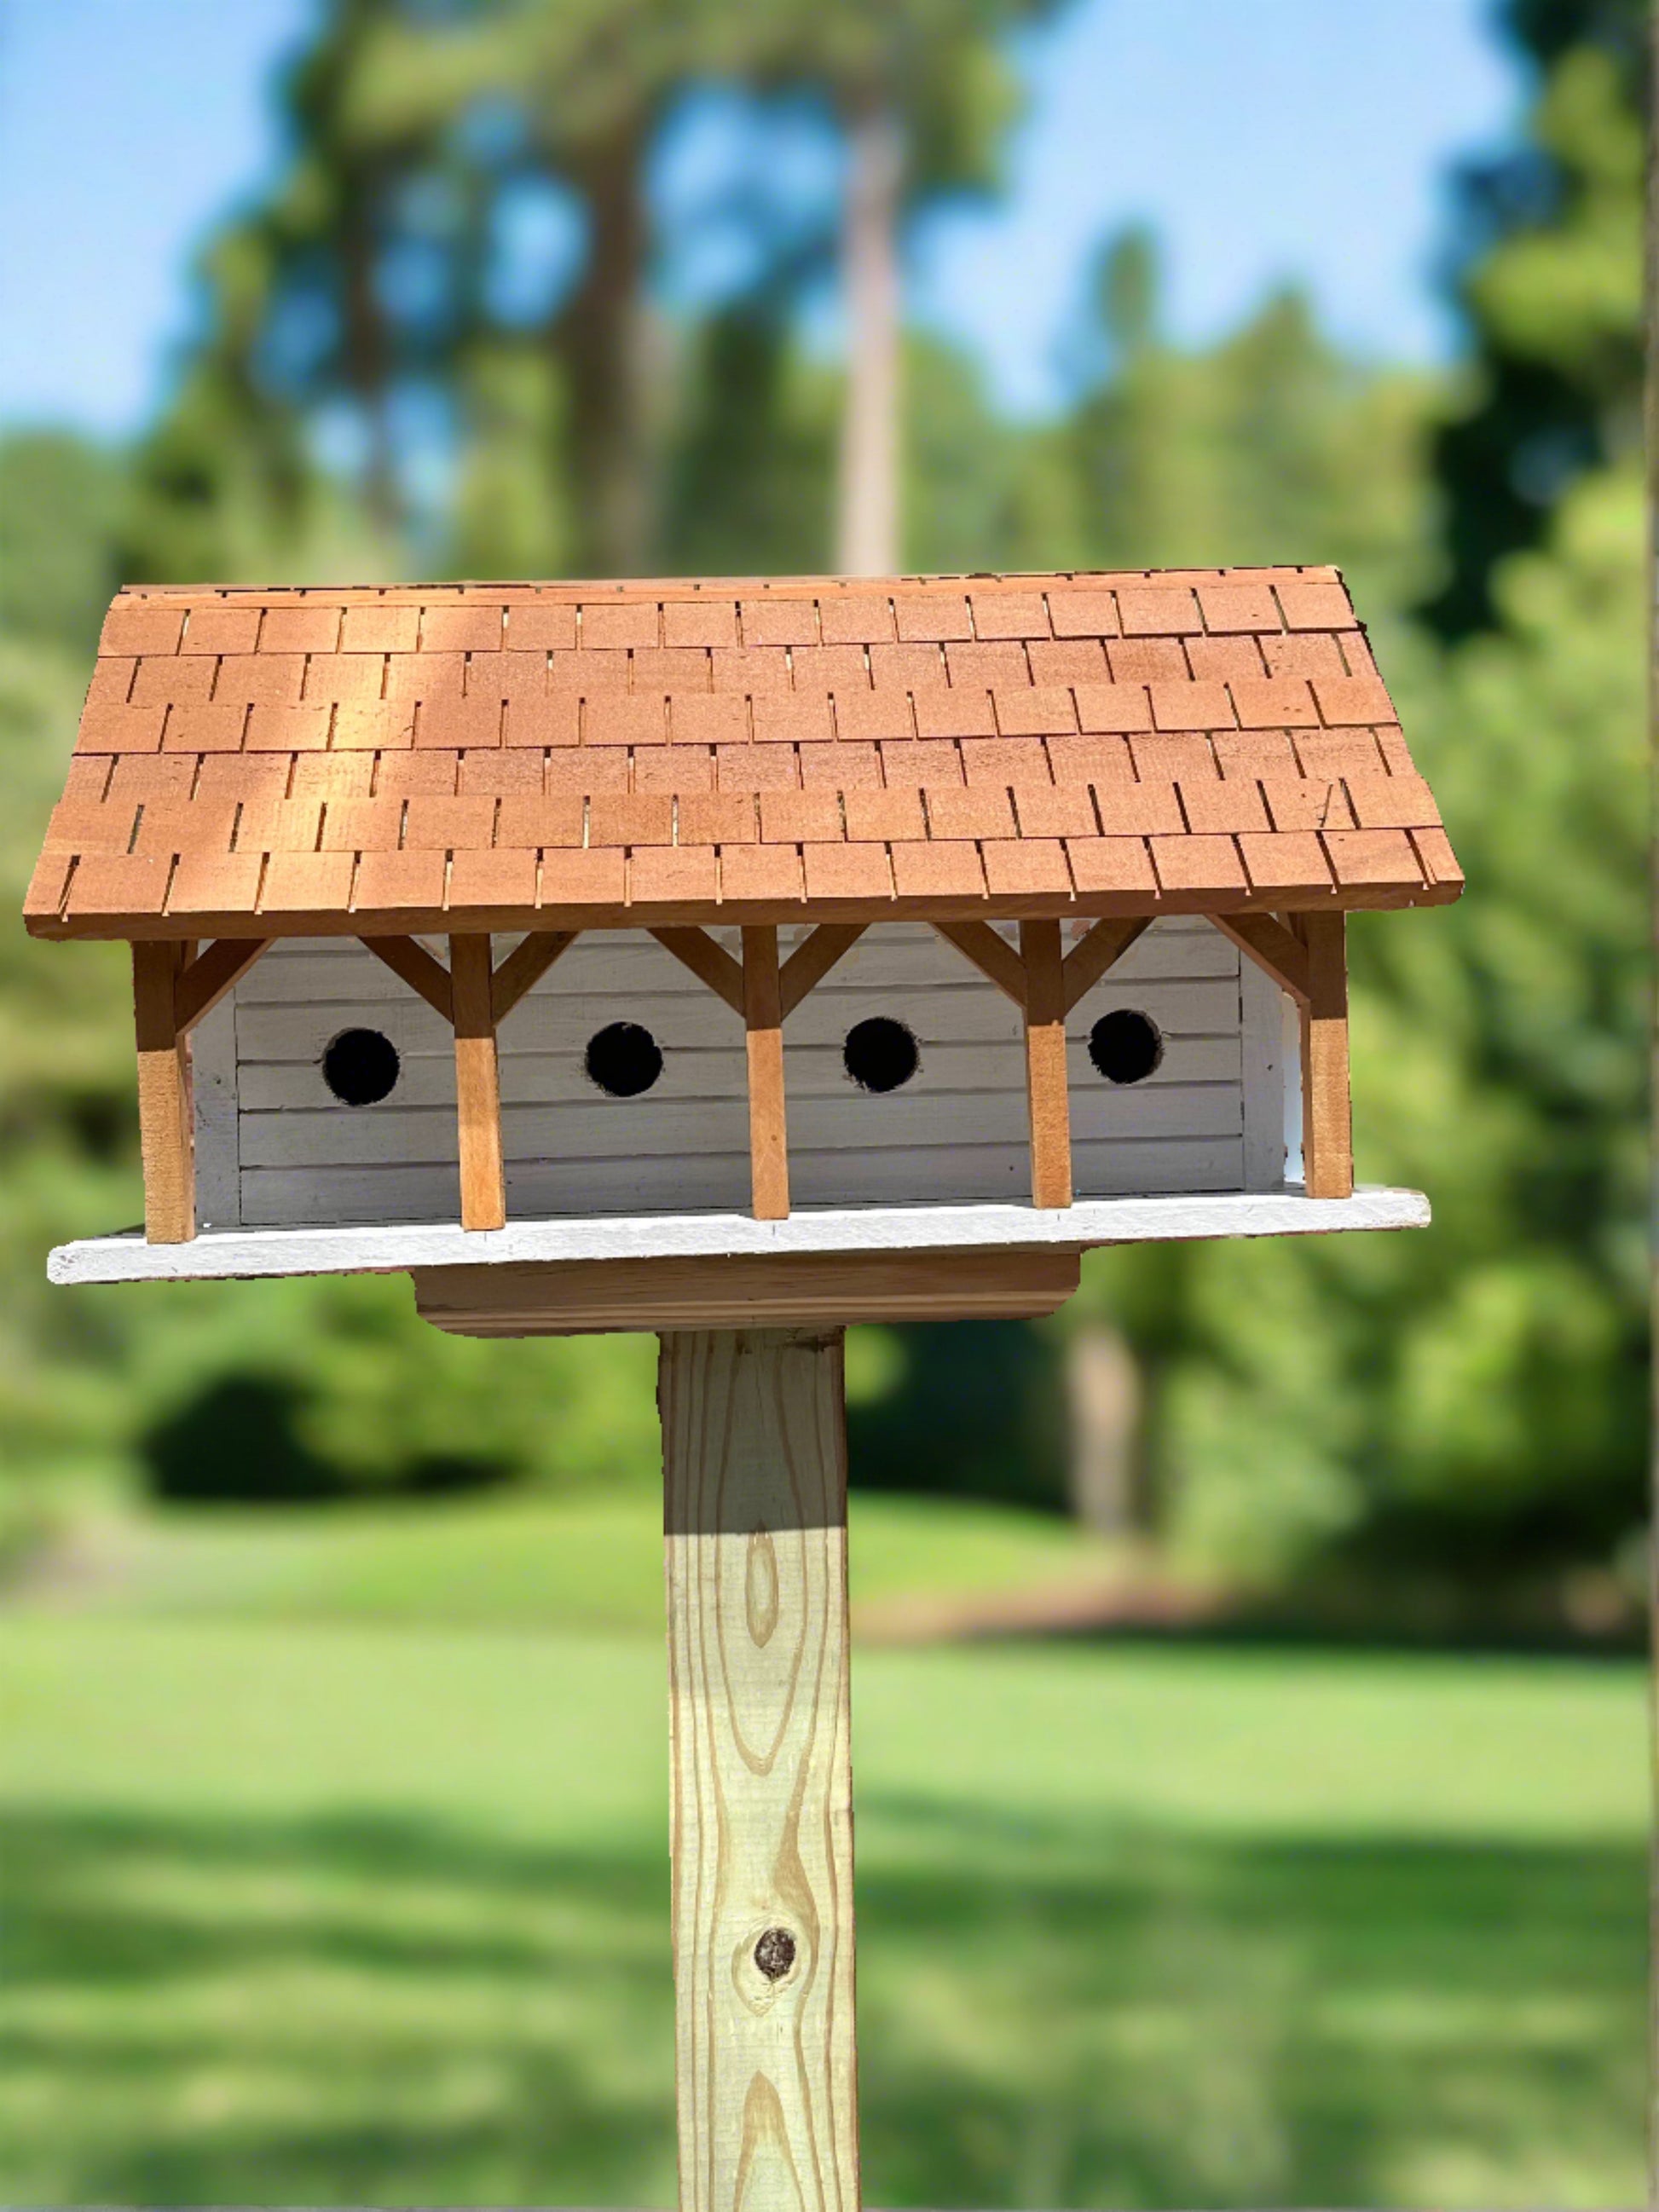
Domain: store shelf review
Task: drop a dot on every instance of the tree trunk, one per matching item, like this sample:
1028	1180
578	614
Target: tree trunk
867	533
1103	1387
602	340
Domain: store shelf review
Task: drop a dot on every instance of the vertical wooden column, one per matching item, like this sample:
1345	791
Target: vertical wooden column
477	1086
1327	1112
755	1468
167	1114
1045	1064
763	1014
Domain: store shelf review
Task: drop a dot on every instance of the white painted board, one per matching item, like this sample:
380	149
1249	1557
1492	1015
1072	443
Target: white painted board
957	1133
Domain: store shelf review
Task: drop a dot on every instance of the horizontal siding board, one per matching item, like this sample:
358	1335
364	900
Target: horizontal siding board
818	1071
957	1132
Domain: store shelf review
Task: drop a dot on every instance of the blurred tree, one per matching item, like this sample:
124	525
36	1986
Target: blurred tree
1548	272
470	176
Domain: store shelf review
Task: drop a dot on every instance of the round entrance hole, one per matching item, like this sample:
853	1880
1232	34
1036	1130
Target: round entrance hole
1125	1046
880	1055
360	1068
624	1059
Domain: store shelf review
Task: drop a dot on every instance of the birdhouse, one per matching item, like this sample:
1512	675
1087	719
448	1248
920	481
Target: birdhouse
769	929
735	960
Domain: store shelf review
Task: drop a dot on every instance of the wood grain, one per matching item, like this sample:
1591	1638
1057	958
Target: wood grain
993	956
1048	1098
477	1086
1102	948
1326	1113
418	969
755	1492
526	965
579	1297
711	962
768	1137
166	1117
198	988
813	959
1276	951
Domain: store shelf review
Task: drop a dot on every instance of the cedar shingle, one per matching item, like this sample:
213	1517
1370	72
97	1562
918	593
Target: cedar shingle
756	768
1137	810
663	875
142	626
856	617
931	617
1081	612
363	825
1198	864
980	665
1298	802
617	624
1274	702
798	818
1217	807
116	884
1051	810
398	880
946	714
335	677
380	629
300	630
1112	706
700	720
906	667
191	729
769	872
1009	614
792	721
216	883
716	817
307	883
848	871
472	627
1393	802
1042	710
1192	706
530	823
700	623
220	629
1148	660
1111	864
121	730
1157	611
582	878
489	775
976	810
762	671
947	870
631	818
862	715
547	627
1353	699
1314	606
1288	861
443	825
1237	606
1068	660
170	683
1374	857
503	877
780	622
1016	866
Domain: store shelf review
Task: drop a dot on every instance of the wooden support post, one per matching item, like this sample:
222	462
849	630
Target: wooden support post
1045	1064
755	1467
1327	1113
477	1086
166	1117
763	1015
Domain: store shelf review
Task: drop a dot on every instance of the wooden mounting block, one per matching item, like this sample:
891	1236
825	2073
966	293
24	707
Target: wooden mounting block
583	1297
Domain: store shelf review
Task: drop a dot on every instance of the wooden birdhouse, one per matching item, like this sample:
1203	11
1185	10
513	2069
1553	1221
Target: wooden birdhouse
751	924
736	960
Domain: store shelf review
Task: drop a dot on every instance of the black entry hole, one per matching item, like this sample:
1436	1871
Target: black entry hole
1125	1047
775	1952
360	1068
624	1059
880	1055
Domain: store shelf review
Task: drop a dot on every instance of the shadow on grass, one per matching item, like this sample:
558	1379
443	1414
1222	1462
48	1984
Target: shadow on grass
368	2011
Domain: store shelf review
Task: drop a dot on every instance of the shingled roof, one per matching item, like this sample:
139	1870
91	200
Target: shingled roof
505	757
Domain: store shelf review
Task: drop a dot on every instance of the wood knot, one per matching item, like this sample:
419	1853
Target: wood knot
775	1952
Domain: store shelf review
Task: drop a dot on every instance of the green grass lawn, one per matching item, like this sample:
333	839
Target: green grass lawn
310	1899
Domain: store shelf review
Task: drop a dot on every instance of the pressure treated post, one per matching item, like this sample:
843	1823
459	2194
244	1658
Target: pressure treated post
1326	1113
166	1122
477	1086
1045	1064
763	1015
755	1467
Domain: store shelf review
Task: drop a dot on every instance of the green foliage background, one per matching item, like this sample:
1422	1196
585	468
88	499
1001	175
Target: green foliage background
1468	1404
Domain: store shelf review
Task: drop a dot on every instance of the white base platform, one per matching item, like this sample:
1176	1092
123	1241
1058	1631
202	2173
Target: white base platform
249	1253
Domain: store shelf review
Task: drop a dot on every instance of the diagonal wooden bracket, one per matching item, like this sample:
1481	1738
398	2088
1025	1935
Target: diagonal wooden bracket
1104	945
993	956
418	969
526	965
198	988
710	963
813	959
1273	947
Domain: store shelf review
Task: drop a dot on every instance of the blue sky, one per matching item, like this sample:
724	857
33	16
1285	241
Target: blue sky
1263	139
